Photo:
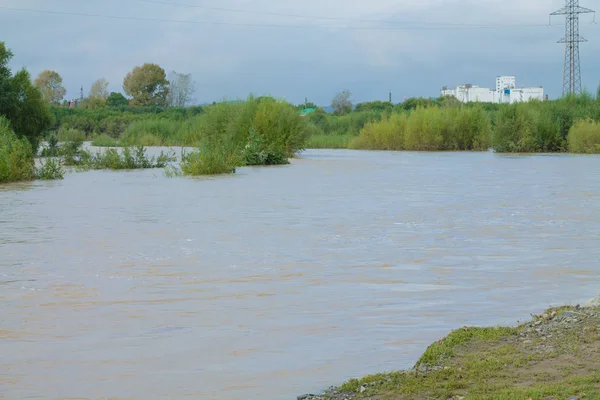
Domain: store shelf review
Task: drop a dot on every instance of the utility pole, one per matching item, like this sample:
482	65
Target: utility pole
390	96
81	94
572	68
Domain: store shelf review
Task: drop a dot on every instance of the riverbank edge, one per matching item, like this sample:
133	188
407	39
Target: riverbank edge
556	324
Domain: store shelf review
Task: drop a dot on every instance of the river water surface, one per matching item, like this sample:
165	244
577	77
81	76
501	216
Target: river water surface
279	281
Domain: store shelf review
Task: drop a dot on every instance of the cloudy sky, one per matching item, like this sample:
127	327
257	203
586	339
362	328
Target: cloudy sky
298	49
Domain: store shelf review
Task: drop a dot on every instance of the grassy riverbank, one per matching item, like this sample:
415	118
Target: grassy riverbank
554	356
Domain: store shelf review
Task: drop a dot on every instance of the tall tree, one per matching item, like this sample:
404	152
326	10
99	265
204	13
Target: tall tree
6	94
341	103
99	89
50	84
148	85
181	89
598	94
30	115
117	100
21	102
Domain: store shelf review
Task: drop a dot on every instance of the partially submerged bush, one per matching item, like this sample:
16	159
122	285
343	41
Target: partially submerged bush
584	137
51	169
16	156
71	134
127	158
428	129
104	141
209	162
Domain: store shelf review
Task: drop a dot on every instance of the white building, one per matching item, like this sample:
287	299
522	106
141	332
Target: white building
506	92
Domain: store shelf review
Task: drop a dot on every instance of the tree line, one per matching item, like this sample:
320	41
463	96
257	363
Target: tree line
146	86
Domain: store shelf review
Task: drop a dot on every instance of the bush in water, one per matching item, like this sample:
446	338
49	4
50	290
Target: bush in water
16	156
584	137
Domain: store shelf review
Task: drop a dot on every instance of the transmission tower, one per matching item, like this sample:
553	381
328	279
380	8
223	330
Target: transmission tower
572	71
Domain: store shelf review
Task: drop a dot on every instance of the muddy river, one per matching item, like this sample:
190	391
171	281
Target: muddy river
274	282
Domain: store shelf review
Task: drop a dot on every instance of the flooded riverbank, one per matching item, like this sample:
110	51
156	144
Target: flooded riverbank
278	281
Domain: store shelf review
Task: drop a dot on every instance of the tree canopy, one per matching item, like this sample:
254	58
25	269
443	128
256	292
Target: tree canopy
117	100
50	84
21	102
341	103
99	89
147	85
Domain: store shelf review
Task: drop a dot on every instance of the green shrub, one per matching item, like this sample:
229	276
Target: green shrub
388	134
104	141
51	169
70	135
584	137
162	132
212	161
328	141
127	158
51	148
428	129
16	156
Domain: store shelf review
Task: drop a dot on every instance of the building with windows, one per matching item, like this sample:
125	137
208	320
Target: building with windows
506	91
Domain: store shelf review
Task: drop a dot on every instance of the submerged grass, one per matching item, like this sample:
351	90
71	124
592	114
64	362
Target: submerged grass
555	356
127	158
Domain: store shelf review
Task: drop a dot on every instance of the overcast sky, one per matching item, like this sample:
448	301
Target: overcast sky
312	48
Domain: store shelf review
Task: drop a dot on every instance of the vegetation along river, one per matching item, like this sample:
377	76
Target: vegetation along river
273	282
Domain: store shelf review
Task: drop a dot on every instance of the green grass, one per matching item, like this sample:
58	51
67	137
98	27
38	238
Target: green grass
560	361
323	141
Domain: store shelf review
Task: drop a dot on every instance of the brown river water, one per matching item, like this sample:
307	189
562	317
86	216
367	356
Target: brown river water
274	282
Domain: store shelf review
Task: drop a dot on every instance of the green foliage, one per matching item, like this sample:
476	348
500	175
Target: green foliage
416	102
598	94
51	87
51	169
117	100
16	156
51	149
350	124
387	134
210	161
127	158
21	102
328	141
70	135
428	129
378	106
147	85
523	128
104	141
584	137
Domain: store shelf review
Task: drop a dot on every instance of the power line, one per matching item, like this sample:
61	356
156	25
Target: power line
315	17
365	28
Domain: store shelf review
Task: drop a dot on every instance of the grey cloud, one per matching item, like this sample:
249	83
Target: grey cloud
295	63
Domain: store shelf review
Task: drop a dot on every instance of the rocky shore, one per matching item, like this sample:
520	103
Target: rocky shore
556	355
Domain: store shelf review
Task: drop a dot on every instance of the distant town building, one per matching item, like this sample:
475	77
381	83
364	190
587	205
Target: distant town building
506	92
